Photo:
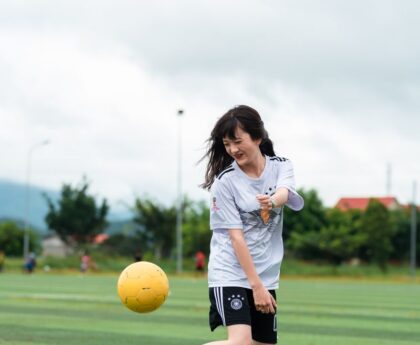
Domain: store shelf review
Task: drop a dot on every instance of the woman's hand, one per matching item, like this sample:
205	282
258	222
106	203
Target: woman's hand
264	301
265	202
266	206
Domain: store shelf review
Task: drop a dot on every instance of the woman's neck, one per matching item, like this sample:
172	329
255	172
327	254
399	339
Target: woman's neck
255	168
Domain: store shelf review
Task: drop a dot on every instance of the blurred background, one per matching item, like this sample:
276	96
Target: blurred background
96	154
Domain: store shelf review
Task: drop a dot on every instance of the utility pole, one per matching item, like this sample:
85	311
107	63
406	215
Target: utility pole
388	179
28	197
179	197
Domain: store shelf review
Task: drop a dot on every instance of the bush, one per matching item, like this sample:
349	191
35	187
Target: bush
11	239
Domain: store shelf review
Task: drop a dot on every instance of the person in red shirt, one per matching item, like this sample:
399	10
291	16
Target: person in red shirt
200	261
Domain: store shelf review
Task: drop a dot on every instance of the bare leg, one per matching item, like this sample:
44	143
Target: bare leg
258	343
237	335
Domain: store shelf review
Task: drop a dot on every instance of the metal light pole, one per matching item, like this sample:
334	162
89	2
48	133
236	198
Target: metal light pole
28	197
179	197
388	179
413	233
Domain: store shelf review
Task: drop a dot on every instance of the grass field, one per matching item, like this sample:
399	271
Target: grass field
75	310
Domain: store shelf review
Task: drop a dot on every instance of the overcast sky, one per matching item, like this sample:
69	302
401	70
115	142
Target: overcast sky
337	84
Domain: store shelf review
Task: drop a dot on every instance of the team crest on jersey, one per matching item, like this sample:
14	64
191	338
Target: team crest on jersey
213	205
236	302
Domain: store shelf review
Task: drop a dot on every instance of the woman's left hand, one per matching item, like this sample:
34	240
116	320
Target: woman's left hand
265	201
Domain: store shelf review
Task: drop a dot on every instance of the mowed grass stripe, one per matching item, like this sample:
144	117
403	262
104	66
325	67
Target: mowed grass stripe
118	310
404	294
351	303
350	332
118	327
108	315
174	302
43	336
318	339
349	328
382	307
347	323
356	316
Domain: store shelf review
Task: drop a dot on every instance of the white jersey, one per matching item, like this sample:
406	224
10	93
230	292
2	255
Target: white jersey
234	206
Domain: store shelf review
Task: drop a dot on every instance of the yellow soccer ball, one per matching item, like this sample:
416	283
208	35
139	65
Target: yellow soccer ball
143	287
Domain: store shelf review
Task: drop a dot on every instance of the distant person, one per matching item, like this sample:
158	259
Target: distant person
85	262
30	263
138	256
249	187
2	259
200	261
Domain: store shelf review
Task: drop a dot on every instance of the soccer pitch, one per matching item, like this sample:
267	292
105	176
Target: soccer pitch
76	310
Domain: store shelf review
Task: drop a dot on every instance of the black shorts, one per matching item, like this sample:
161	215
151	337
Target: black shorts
235	306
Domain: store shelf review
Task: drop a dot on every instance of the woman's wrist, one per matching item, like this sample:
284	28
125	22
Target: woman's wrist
257	284
273	202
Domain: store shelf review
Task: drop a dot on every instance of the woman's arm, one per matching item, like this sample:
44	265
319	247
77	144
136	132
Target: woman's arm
264	302
279	198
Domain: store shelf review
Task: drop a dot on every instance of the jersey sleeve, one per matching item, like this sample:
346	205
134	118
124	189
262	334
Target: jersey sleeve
286	178
223	211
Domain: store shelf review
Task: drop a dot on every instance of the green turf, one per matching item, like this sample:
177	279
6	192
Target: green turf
70	309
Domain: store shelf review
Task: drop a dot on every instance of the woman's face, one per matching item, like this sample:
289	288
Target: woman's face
243	149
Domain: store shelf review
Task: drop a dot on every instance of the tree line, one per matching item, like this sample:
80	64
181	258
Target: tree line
376	235
317	233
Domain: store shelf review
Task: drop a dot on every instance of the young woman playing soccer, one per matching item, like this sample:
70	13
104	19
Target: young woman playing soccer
249	186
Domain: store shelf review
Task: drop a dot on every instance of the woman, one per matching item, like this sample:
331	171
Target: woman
249	185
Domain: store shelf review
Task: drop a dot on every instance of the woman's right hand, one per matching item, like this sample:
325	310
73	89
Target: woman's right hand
264	301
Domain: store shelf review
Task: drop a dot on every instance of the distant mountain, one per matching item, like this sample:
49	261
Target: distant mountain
19	222
12	207
126	227
13	203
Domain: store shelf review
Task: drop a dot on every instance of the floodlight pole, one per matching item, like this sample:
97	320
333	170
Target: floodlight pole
28	197
388	179
413	233
179	198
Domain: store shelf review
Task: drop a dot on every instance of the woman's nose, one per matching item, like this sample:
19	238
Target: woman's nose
233	149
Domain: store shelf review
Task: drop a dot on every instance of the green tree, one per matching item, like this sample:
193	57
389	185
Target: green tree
121	244
11	239
311	218
376	225
124	240
400	222
157	226
77	218
301	229
341	238
332	235
196	228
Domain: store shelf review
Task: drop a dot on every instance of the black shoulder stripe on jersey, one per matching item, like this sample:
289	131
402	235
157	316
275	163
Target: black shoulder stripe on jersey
224	172
227	168
280	159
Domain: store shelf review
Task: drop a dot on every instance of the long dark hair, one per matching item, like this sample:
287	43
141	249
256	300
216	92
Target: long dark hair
248	120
